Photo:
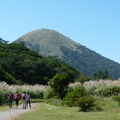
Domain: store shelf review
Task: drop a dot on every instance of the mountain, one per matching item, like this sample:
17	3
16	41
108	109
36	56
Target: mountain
51	43
20	65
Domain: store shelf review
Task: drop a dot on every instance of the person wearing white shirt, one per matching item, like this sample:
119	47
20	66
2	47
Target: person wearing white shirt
23	97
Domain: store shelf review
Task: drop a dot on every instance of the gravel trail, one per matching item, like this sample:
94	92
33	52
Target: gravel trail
10	114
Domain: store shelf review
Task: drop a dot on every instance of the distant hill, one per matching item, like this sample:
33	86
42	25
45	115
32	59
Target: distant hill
51	43
20	65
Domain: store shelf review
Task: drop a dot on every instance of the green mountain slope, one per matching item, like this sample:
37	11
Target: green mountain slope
20	65
51	43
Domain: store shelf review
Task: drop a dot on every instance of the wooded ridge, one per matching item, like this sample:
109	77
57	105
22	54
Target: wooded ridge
20	65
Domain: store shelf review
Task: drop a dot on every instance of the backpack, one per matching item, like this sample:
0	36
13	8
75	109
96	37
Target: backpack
10	96
16	97
24	97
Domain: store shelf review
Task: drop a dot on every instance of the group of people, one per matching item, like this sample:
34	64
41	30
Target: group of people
25	97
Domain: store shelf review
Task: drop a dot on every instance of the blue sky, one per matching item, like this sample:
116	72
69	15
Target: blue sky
92	23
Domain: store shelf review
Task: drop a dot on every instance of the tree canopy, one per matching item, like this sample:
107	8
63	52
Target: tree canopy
25	66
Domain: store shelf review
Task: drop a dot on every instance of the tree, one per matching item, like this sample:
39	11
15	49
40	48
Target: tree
101	75
71	98
82	78
60	83
4	76
3	41
86	103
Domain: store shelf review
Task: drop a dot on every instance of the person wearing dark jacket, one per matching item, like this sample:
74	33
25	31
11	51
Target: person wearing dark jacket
10	99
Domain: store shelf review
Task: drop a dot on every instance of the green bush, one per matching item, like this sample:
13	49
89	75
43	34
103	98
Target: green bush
36	95
117	98
48	93
3	97
92	90
59	84
70	89
86	103
109	91
71	98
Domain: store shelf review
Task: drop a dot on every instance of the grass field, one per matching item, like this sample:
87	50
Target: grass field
4	108
49	112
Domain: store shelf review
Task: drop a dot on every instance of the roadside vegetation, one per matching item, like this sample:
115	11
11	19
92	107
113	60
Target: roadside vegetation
93	91
102	97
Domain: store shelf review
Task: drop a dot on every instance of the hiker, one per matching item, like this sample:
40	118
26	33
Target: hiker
17	99
28	102
23	97
10	99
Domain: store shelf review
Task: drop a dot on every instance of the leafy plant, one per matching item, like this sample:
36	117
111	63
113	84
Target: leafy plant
86	103
101	75
71	98
48	93
59	84
117	98
3	97
109	91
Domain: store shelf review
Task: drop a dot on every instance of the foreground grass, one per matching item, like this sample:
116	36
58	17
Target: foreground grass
4	108
49	112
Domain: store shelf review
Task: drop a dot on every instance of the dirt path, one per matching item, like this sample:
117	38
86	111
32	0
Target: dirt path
8	115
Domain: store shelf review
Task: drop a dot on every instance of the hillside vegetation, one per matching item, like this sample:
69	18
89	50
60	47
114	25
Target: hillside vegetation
20	65
51	43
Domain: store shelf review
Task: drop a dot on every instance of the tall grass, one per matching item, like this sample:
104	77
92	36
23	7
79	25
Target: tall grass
100	86
36	91
103	87
13	88
97	83
101	83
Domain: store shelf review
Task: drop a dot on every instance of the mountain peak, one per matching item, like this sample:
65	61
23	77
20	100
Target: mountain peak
47	42
52	43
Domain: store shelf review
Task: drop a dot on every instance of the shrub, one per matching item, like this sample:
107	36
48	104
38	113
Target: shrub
86	103
37	94
72	97
117	98
70	89
59	84
3	97
109	91
48	93
92	90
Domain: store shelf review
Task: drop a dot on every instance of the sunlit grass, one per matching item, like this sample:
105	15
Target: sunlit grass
101	84
49	112
36	88
4	108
